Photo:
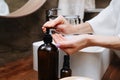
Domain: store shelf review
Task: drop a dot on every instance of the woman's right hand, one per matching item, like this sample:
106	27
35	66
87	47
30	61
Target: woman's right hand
60	24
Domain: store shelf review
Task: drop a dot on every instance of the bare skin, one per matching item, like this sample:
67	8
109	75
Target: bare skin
78	42
62	26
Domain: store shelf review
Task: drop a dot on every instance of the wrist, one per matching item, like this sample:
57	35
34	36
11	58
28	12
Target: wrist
85	40
83	28
91	41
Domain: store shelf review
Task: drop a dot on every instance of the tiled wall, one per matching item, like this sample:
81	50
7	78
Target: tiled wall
98	4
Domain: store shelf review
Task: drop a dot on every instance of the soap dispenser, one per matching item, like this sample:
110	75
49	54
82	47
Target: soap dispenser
48	55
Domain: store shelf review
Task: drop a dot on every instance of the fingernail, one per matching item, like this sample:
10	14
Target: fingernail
57	45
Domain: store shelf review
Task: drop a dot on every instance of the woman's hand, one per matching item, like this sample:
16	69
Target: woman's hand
72	44
60	24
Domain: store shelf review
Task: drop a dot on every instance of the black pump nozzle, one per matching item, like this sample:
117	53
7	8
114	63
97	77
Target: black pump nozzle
47	37
47	30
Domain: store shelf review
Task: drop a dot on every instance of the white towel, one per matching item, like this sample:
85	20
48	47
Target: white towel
89	4
4	9
75	7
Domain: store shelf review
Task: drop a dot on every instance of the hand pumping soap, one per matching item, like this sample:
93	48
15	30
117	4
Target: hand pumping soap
48	59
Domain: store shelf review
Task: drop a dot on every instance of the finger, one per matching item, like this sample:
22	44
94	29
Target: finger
60	20
55	38
49	24
53	23
62	41
58	38
65	44
44	29
60	28
67	51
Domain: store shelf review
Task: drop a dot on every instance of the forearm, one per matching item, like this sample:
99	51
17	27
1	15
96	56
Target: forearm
83	28
112	42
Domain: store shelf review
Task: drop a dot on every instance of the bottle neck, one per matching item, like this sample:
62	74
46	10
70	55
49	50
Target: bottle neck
66	63
47	37
48	43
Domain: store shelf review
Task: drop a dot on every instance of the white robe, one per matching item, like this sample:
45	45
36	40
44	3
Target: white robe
108	21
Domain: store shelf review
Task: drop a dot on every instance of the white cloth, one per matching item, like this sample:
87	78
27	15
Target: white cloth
89	4
108	21
4	9
74	7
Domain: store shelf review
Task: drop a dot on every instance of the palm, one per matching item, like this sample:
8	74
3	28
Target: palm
70	45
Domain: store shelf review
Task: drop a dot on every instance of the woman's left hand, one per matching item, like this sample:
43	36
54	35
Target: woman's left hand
72	44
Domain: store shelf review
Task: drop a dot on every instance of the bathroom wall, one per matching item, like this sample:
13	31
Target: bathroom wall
98	4
102	3
18	34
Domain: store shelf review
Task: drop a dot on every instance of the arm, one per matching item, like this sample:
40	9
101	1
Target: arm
62	26
79	42
112	42
83	28
104	23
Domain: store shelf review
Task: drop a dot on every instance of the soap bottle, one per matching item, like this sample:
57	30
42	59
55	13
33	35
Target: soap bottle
66	71
48	59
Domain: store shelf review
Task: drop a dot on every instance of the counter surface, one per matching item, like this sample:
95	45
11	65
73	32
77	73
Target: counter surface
23	70
19	70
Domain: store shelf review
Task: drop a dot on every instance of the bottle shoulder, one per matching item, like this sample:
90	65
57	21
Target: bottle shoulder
65	69
48	47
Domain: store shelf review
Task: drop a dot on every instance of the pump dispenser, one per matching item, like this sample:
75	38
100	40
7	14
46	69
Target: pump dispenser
47	59
47	38
66	71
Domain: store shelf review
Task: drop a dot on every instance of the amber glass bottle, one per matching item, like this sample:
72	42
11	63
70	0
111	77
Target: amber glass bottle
47	59
66	71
